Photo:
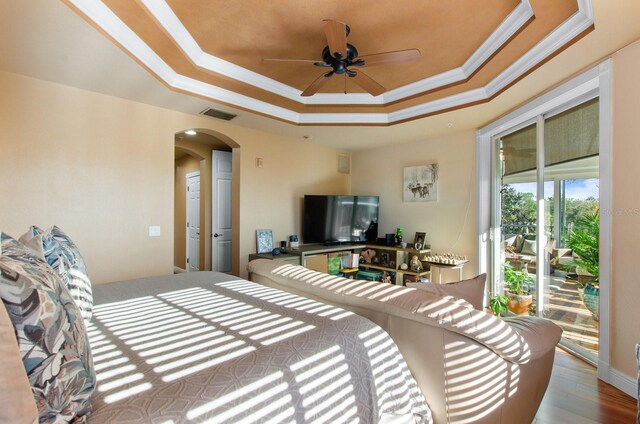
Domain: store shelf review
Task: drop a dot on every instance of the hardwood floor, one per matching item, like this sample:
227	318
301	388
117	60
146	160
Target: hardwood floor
576	396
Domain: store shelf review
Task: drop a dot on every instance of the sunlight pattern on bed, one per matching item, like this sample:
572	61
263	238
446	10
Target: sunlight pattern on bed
287	300
236	351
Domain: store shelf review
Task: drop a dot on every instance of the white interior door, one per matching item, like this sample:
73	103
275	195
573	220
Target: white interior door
221	211
193	221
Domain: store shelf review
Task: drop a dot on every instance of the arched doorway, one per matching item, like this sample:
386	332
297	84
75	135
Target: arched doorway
202	145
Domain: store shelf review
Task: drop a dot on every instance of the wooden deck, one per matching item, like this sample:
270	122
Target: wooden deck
568	311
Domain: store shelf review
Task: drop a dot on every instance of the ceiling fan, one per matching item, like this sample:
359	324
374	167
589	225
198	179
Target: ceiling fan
342	57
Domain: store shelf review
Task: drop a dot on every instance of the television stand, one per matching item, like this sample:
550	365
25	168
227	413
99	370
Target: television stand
343	243
392	257
312	256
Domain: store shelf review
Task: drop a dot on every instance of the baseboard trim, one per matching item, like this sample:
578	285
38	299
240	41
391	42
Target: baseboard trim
618	379
623	382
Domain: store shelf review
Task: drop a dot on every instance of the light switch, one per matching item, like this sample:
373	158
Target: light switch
259	162
154	231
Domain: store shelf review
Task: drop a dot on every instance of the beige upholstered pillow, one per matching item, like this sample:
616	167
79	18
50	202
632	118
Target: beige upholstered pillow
529	248
471	290
18	403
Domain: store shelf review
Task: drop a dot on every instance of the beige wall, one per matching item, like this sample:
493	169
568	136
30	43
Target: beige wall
625	310
184	166
449	222
92	164
277	189
102	168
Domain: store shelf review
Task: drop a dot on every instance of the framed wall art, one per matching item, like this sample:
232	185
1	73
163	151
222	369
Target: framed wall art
264	241
420	183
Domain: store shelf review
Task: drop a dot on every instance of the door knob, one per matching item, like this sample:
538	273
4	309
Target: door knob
217	235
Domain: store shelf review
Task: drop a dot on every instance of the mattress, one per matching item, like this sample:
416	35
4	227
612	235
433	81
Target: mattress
208	347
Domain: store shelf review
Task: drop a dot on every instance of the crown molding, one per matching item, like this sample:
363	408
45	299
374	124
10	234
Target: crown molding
562	35
99	14
499	37
203	89
169	22
166	18
456	100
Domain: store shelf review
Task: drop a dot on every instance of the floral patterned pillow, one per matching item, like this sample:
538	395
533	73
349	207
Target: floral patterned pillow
51	335
24	251
64	257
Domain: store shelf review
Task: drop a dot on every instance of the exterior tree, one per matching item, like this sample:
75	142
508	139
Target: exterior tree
518	211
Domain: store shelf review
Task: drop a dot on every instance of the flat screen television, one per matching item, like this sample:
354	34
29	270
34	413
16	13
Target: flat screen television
340	219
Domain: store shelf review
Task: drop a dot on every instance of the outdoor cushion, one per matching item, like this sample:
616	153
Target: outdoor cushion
529	247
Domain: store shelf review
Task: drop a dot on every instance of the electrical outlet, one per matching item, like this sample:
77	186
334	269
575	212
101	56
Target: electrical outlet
154	231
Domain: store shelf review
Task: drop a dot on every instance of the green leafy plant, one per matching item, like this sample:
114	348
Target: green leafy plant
584	240
499	304
517	282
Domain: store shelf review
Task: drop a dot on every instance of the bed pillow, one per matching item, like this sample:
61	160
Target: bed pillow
51	336
63	256
471	290
9	247
16	399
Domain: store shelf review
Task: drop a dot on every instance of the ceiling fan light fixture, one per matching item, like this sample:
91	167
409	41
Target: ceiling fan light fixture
340	56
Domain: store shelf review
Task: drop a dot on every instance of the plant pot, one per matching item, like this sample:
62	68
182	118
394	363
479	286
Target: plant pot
519	304
592	299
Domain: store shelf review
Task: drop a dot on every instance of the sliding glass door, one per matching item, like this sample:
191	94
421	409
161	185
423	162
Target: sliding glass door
545	221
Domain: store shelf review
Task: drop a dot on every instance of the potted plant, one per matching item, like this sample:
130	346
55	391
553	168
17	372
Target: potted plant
499	304
584	241
517	285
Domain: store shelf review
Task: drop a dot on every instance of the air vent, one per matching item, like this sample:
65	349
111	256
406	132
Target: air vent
218	114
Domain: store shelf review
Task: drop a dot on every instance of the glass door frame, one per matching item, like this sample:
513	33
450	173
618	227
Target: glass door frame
496	225
595	82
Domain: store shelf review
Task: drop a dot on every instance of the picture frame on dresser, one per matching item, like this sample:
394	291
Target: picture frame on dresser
264	241
419	240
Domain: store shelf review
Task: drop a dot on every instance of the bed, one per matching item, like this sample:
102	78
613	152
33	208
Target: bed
208	347
194	347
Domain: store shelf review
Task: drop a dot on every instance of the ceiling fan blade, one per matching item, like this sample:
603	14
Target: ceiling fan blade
398	56
289	60
336	33
368	84
317	84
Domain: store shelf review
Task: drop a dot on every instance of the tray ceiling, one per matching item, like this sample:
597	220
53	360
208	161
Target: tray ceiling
471	51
